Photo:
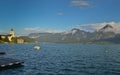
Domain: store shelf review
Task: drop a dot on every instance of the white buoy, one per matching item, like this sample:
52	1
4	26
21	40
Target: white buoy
36	47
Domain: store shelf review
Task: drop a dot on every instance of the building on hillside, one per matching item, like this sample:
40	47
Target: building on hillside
20	40
12	33
8	36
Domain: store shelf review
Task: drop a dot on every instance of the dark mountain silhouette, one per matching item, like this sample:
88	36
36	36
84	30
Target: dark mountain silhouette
107	28
75	35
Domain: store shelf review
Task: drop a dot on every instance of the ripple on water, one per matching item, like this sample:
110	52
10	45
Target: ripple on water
63	59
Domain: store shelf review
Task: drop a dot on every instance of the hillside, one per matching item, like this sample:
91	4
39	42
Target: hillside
105	34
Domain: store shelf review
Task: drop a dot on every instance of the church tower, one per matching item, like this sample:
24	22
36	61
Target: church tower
12	33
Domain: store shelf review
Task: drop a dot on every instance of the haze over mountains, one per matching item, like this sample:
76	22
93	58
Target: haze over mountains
108	33
98	26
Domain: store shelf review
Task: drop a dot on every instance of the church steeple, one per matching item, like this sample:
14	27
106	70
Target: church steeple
12	32
11	29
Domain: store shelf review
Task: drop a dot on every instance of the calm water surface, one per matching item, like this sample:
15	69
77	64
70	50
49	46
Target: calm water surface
64	59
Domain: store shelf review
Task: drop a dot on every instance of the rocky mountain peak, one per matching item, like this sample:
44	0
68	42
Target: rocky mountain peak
107	28
75	29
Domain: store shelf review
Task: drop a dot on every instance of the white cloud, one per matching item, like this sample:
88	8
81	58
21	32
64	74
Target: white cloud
80	3
36	29
28	30
87	27
42	30
60	13
97	26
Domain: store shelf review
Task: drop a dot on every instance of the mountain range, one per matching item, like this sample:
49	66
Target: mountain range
104	35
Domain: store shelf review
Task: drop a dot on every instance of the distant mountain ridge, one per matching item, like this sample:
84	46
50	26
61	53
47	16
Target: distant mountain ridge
76	32
107	28
76	35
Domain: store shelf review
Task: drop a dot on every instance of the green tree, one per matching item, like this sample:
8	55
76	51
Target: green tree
6	39
14	40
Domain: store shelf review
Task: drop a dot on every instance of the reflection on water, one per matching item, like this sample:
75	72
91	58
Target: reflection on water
64	59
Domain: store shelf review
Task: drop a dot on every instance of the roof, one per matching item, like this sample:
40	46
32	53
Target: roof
12	29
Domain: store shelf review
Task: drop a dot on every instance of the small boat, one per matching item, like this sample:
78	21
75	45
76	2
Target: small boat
6	63
1	53
36	47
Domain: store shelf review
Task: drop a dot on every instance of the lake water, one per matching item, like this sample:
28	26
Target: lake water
64	59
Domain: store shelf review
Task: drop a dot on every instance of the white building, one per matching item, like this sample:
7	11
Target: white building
9	36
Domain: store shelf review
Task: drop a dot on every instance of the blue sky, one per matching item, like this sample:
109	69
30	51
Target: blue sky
55	15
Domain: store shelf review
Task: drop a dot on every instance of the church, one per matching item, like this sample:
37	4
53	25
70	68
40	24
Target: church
9	36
